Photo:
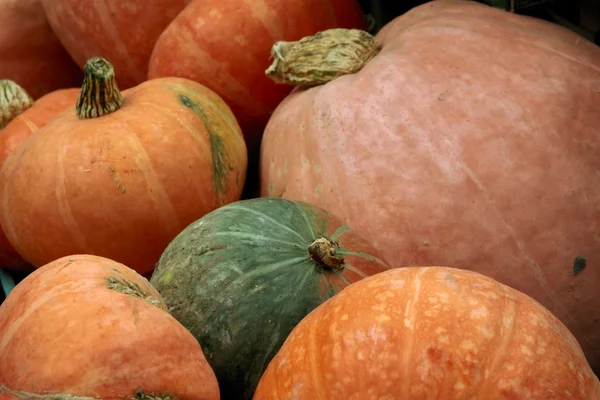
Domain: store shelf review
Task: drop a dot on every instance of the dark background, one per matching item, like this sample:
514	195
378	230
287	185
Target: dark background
581	16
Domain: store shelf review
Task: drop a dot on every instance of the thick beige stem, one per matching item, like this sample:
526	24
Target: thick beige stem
318	59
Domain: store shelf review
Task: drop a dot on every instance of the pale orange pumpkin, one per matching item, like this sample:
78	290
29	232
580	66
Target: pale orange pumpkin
120	175
25	119
30	53
88	327
469	139
123	31
429	333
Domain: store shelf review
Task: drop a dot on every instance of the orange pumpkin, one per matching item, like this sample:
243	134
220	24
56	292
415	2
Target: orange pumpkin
121	174
24	124
469	139
86	326
30	53
123	31
429	333
225	44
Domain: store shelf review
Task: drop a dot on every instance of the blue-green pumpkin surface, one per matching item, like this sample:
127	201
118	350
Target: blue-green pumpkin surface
243	276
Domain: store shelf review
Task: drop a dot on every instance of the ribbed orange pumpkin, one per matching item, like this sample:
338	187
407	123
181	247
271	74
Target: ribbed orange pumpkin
470	139
30	53
122	31
23	125
225	45
429	333
88	327
121	174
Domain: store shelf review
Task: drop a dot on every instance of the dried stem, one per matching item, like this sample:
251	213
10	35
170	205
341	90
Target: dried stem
99	94
318	59
322	250
13	101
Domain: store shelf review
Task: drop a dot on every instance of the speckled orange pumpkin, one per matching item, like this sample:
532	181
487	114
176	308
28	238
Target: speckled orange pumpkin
88	327
120	175
429	333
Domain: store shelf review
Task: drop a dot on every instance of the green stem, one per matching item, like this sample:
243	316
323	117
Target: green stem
99	94
315	60
13	101
322	251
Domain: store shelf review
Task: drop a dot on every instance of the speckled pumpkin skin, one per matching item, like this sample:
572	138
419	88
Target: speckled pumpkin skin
67	333
471	140
241	278
429	333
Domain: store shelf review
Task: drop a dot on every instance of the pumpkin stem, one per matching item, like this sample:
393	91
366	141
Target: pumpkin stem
13	101
99	94
322	250
315	60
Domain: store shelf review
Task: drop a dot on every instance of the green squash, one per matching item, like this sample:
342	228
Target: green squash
243	276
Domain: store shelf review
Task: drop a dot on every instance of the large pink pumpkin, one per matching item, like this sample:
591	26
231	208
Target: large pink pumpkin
471	139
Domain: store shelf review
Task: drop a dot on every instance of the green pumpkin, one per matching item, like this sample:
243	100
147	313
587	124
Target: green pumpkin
243	276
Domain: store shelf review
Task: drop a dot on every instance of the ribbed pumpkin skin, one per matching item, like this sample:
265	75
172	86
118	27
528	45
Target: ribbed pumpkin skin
429	333
20	128
122	31
226	44
67	329
241	278
30	53
125	184
469	140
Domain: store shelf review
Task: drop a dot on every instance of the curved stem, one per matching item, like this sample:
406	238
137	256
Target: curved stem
13	101
99	94
315	60
322	250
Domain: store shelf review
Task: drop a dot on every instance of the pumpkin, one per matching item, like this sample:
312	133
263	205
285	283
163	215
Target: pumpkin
123	31
225	44
112	328
121	174
25	118
468	138
429	333
241	277
31	54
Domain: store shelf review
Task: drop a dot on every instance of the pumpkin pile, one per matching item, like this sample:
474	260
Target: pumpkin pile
206	199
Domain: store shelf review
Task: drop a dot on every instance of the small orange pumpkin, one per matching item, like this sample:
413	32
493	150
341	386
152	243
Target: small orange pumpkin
122	174
85	326
429	333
